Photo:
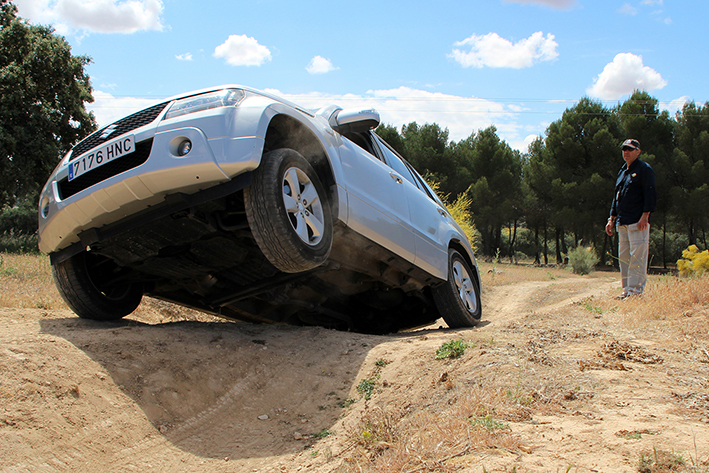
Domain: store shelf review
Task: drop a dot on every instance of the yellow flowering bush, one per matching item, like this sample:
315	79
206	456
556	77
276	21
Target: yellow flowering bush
459	210
693	261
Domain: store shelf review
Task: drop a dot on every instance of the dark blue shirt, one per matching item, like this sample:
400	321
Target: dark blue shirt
635	192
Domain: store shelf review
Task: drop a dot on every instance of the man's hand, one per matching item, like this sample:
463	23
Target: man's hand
644	223
609	227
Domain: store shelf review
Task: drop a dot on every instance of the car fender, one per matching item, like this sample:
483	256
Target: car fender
321	131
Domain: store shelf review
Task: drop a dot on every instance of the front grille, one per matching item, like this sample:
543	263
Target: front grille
139	156
124	125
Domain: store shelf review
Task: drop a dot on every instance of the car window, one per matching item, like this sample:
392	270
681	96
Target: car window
395	162
424	185
411	174
364	141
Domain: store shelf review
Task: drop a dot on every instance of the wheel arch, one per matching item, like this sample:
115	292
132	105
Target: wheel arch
284	131
465	253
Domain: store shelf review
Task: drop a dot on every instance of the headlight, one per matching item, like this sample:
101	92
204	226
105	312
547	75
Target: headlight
198	103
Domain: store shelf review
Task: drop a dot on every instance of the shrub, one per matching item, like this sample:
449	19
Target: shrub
20	220
672	243
582	259
18	228
693	262
18	243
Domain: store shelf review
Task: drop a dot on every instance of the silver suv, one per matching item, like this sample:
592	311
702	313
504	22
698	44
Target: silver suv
241	204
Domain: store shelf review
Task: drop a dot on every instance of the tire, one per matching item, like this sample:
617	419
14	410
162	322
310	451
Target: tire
458	299
83	282
288	212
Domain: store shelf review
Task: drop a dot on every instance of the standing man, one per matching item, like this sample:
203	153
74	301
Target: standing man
634	200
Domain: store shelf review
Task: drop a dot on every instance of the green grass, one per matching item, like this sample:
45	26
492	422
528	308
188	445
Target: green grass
366	388
452	349
488	423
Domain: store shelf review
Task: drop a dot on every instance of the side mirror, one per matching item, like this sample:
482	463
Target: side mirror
352	120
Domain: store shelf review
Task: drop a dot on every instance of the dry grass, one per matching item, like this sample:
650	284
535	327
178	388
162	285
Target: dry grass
26	282
672	298
464	420
396	440
679	307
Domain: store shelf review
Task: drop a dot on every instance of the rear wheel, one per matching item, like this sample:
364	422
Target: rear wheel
288	212
88	284
458	299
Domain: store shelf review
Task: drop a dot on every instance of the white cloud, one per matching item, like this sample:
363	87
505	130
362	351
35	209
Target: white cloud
462	116
528	140
557	4
493	51
675	105
624	75
37	11
628	9
242	50
184	57
320	65
99	16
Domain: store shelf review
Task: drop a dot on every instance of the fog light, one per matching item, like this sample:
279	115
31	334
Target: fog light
184	147
45	207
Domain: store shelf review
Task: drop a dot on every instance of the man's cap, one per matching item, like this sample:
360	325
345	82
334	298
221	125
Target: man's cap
635	144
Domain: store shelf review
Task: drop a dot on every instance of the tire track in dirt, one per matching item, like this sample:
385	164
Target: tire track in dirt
503	304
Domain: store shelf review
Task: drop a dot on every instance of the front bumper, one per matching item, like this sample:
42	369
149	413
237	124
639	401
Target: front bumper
67	212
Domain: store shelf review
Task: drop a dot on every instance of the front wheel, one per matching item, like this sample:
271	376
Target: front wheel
89	285
458	299
289	212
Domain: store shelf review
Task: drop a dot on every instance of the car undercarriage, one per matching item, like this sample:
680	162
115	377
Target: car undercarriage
203	255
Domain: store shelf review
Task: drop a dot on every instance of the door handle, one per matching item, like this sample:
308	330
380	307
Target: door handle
395	177
442	212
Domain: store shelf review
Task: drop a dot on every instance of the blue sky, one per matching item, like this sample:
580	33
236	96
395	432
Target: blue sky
465	65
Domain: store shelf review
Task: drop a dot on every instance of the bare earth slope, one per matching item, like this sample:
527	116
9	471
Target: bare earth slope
591	391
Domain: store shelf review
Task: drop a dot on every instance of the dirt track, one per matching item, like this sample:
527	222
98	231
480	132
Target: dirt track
142	395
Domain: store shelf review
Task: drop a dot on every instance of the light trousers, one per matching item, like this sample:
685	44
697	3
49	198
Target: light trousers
633	248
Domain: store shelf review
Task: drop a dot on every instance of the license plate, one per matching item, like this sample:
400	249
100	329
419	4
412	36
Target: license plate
97	157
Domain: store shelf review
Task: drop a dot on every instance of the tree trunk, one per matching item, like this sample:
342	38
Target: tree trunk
537	259
512	238
564	248
546	244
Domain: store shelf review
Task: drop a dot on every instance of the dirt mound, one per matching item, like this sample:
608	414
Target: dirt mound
148	393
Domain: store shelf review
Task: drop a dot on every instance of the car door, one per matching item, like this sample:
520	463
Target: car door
428	217
377	202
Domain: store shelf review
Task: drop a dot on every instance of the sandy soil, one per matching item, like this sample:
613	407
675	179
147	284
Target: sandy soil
213	396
